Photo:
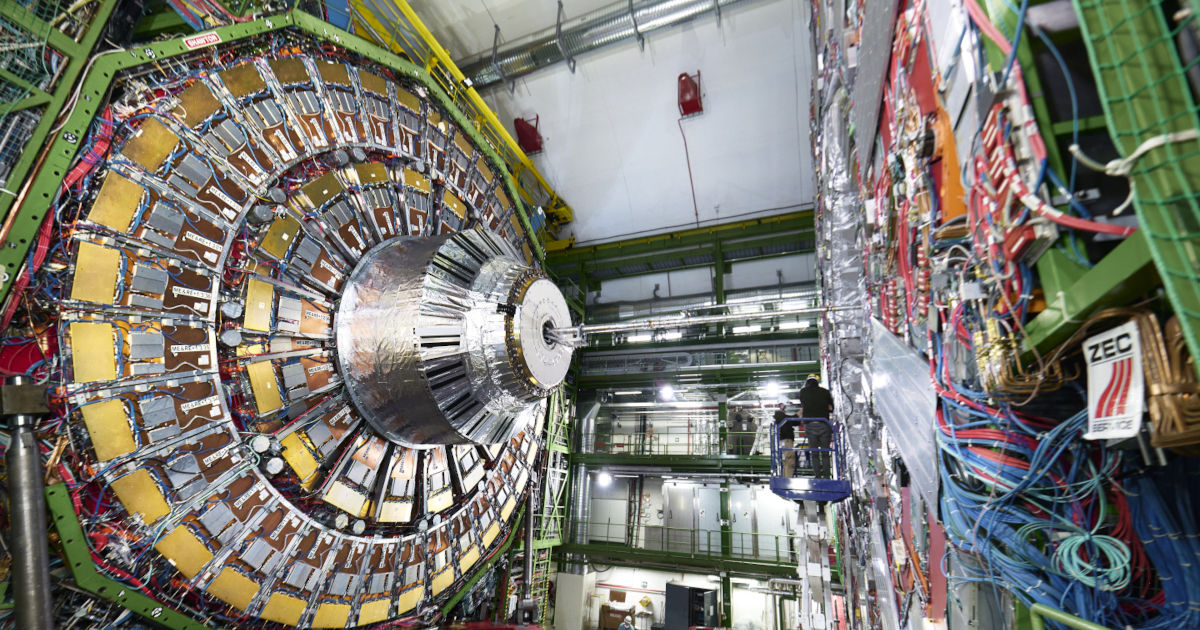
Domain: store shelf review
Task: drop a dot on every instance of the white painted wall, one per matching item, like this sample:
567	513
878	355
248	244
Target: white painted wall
571	600
613	145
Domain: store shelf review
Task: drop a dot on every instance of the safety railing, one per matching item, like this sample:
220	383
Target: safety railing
807	456
695	543
681	442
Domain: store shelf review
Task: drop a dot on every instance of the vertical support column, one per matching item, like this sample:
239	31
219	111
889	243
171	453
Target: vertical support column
22	401
719	277
726	551
723	428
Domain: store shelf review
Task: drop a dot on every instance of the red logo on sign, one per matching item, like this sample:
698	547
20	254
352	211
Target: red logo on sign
1112	401
207	39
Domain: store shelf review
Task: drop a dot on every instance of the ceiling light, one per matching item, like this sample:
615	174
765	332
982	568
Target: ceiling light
771	390
603	479
666	392
627	392
639	338
752	328
672	336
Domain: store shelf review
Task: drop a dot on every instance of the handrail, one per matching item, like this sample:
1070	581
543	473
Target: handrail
698	542
836	463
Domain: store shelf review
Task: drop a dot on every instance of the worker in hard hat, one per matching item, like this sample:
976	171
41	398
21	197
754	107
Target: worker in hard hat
627	624
817	402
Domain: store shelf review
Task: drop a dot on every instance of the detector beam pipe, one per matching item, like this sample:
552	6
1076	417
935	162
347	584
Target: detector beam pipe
574	335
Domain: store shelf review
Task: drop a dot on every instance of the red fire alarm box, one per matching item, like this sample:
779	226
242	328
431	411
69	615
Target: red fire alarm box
528	135
689	94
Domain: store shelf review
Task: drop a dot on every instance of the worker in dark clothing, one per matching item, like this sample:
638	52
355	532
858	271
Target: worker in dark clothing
741	433
787	440
817	402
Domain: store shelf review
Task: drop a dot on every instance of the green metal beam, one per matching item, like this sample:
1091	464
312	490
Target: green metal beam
710	249
688	238
680	463
1125	273
623	555
726	548
79	558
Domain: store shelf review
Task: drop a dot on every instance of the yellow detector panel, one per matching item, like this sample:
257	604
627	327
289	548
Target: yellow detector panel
374	612
323	189
409	599
108	424
93	353
373	83
331	616
233	588
440	500
260	302
396	511
452	202
413	179
408	100
345	498
265	386
140	495
371	172
283	609
196	104
118	199
298	456
441	580
151	146
280	236
242	80
97	270
289	70
469	559
490	534
184	550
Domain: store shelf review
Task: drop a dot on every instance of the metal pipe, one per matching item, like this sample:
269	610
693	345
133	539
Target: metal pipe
30	552
602	28
575	334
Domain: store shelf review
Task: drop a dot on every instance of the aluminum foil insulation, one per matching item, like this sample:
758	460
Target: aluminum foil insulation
846	330
441	340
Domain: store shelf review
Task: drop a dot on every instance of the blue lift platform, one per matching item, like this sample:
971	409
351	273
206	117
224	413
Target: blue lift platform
808	487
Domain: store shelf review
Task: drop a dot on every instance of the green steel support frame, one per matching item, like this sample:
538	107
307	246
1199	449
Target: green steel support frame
79	558
24	222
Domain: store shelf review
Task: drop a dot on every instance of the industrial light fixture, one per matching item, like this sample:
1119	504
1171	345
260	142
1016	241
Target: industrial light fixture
752	328
639	338
603	479
666	392
794	325
627	392
771	390
671	336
